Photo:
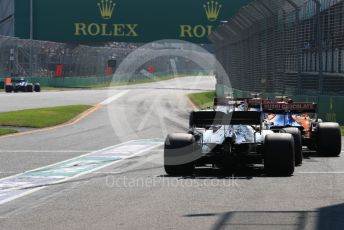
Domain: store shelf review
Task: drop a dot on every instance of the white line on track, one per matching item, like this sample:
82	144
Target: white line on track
46	151
113	98
17	186
54	151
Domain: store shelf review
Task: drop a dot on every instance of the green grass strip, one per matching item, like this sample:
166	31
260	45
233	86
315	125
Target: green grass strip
4	131
203	100
41	118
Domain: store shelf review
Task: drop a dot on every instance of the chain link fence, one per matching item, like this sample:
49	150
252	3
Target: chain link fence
285	46
84	66
20	57
7	17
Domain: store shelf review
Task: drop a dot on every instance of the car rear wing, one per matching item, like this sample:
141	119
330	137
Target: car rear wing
203	119
228	101
273	106
303	107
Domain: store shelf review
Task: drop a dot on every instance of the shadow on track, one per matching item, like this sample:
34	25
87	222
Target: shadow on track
260	219
312	154
245	172
325	218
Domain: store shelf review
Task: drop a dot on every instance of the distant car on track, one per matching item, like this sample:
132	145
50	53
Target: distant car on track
22	85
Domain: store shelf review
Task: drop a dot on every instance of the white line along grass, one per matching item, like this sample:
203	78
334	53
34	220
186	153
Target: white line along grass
113	98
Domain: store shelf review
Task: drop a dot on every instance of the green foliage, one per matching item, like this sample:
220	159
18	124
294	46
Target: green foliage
203	100
4	131
41	118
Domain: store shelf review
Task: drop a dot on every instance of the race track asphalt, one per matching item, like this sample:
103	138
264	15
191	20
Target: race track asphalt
135	193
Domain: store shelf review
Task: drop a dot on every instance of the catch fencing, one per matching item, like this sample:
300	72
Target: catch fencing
21	57
286	47
85	66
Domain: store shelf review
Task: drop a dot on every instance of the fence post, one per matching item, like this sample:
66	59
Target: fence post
298	44
319	45
31	37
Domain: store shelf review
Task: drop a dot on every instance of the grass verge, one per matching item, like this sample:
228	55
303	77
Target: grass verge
113	84
4	131
41	118
342	129
203	100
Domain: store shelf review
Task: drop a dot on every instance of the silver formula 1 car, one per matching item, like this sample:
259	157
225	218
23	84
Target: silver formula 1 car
228	135
22	85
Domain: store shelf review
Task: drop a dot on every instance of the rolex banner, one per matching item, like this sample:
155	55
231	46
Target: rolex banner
89	21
